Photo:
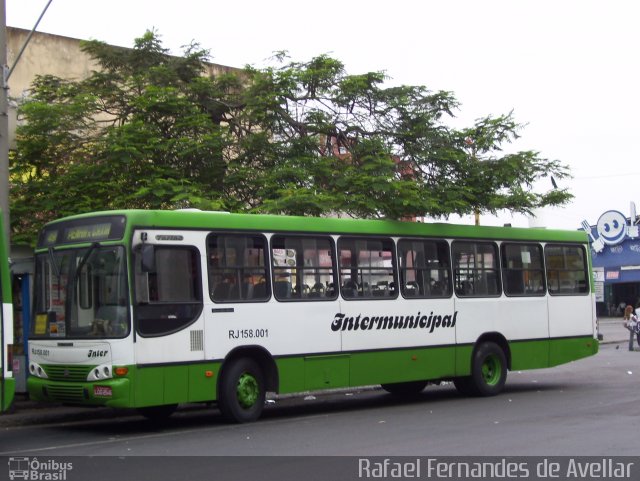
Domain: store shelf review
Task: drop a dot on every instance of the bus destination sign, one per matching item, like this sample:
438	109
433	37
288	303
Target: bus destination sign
91	232
83	230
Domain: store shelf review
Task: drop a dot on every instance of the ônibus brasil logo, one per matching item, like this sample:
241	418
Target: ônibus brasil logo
36	470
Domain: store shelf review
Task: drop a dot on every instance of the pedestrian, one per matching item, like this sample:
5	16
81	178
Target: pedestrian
631	323
621	307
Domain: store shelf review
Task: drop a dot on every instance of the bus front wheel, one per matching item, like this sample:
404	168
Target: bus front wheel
488	372
241	393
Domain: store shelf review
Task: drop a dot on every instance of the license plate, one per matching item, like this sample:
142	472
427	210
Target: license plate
102	391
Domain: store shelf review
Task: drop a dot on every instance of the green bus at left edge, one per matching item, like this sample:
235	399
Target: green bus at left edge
7	382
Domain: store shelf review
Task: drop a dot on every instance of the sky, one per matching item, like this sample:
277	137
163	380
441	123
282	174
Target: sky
569	70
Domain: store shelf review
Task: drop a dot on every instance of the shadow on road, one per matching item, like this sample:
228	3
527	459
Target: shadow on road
195	416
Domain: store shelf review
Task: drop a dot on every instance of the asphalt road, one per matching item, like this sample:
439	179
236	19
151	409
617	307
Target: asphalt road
586	408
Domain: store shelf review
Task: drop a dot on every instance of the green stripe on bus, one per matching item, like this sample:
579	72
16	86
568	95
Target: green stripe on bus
185	383
7	391
151	219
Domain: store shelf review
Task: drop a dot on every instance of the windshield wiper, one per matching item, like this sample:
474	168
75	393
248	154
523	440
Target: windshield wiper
53	262
85	258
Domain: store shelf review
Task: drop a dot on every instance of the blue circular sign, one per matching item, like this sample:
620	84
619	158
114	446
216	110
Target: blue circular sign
612	227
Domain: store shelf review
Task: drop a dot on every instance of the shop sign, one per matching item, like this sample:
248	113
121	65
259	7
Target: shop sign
613	275
612	229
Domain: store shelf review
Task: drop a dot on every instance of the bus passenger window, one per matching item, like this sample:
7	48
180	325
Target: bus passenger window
567	272
237	268
303	267
424	268
367	268
475	269
522	269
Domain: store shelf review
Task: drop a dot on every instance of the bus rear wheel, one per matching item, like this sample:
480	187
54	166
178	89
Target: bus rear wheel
241	393
488	372
405	388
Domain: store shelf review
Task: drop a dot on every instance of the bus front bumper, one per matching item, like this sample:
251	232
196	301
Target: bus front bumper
112	392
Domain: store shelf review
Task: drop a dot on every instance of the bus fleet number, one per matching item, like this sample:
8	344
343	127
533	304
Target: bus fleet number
248	333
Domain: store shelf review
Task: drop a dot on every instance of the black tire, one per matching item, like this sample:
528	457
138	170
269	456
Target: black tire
158	413
464	385
405	388
488	372
241	392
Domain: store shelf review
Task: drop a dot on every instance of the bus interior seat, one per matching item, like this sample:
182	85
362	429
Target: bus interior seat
317	290
234	292
221	292
437	288
466	288
411	289
491	283
514	282
282	289
301	291
350	288
241	291
260	290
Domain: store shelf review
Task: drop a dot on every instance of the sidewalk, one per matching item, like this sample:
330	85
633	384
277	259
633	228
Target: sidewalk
613	331
26	412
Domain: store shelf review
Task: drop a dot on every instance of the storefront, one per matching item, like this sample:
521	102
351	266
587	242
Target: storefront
615	243
22	276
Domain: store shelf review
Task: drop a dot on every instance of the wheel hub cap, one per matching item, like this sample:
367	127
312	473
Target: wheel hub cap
248	390
491	370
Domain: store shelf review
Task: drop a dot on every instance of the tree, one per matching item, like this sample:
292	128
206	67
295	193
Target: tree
149	130
495	181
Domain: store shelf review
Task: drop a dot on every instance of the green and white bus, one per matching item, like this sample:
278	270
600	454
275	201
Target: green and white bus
150	309
7	382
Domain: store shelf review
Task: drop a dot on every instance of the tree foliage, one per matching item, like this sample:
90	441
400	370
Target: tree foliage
151	130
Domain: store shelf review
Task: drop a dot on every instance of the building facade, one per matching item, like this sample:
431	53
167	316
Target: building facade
615	250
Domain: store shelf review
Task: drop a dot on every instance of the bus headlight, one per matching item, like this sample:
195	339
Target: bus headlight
36	370
101	372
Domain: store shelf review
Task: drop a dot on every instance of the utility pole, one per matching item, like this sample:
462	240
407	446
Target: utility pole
4	123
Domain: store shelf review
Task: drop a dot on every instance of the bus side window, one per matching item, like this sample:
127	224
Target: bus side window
424	268
567	271
367	268
304	267
475	267
237	268
523	270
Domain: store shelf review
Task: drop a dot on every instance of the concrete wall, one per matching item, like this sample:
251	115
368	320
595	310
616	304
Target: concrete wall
49	54
45	54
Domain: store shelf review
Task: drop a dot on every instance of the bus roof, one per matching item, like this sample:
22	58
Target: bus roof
209	220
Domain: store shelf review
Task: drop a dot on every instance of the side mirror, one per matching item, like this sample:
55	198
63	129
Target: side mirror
148	254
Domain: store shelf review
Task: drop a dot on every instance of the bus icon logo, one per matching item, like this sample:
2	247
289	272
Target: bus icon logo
31	468
18	468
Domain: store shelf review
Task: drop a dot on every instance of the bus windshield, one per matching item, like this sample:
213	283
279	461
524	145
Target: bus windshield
81	293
